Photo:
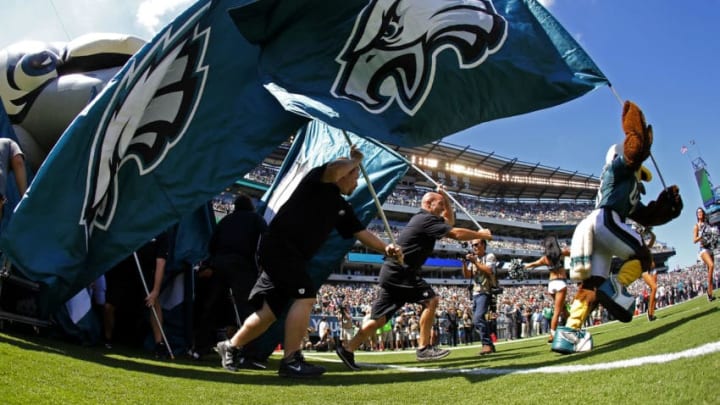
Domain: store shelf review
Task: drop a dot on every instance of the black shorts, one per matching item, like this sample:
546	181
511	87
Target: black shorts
392	297
283	278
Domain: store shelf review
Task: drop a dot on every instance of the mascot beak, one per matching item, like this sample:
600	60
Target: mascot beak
644	174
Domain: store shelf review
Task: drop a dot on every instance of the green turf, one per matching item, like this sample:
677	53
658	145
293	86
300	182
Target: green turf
35	369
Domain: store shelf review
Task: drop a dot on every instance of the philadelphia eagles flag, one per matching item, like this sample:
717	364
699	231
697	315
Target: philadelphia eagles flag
410	72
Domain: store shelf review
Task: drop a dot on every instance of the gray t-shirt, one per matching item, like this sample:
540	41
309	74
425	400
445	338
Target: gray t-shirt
8	150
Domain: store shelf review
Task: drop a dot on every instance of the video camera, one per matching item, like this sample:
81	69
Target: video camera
462	256
496	290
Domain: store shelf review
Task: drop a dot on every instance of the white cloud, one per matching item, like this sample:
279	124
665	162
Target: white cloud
547	3
154	14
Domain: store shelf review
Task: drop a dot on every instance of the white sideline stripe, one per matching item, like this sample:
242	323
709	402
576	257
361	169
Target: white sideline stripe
575	368
639	361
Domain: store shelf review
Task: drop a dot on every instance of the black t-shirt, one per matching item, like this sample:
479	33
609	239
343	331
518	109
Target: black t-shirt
417	241
306	219
237	234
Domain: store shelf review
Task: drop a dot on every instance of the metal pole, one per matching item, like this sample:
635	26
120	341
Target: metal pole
374	196
152	307
235	308
657	169
437	185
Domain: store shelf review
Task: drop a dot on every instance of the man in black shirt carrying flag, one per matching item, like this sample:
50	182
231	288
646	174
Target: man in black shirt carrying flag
297	232
401	283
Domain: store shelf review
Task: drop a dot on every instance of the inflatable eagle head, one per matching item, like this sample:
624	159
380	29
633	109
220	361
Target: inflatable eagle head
44	86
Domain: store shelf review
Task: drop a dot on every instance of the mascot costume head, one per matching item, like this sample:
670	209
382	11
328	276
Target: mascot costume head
44	86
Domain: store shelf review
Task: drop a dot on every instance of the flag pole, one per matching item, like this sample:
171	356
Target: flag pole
235	308
657	169
378	205
437	185
456	202
152	307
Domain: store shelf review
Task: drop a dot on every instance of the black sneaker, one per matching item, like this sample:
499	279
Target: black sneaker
711	298
651	317
430	353
161	351
347	357
297	367
227	355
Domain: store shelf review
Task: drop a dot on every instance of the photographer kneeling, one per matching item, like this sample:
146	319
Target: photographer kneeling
480	266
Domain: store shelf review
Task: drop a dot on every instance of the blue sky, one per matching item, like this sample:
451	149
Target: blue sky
662	54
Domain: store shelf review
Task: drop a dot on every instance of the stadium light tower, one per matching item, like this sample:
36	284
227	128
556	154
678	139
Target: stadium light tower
709	194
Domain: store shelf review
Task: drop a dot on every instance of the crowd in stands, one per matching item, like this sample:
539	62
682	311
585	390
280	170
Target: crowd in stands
222	206
262	174
521	311
530	212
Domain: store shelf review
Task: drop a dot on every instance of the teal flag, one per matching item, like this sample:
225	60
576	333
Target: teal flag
184	118
410	72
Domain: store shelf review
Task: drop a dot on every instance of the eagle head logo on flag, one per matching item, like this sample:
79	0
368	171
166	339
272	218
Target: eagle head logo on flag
149	112
391	53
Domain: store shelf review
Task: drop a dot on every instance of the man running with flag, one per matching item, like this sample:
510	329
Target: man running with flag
296	233
401	283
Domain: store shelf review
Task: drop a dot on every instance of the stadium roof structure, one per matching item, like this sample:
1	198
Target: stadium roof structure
486	175
490	176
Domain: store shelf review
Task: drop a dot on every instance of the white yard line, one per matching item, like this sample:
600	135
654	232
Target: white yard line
639	361
573	368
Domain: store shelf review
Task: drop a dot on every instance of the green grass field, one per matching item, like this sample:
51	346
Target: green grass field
674	360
